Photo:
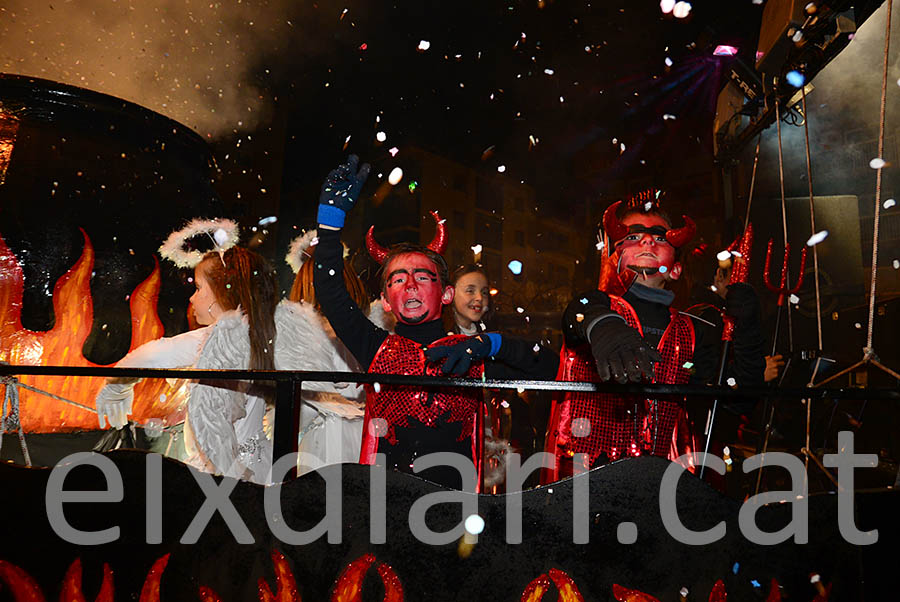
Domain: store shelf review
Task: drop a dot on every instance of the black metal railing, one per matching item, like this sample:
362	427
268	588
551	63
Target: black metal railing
289	385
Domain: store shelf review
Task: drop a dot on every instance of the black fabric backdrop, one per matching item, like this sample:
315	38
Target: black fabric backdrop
623	491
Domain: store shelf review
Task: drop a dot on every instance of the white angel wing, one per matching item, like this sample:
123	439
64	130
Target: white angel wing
215	407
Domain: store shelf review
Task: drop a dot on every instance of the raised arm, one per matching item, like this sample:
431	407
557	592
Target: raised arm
339	194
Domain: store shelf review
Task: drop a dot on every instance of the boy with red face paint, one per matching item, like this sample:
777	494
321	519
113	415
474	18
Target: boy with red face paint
627	331
400	422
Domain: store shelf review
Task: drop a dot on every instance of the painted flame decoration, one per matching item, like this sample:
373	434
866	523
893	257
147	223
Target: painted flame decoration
348	587
61	346
286	590
568	591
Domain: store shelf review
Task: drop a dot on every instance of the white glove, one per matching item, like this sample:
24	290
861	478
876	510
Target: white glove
114	402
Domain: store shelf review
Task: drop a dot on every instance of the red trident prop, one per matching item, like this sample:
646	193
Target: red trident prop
782	289
740	271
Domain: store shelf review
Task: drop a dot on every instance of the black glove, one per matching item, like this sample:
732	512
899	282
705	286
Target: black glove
340	191
742	304
620	352
461	355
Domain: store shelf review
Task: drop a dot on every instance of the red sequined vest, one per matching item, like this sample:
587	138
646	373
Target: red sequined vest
622	426
396	404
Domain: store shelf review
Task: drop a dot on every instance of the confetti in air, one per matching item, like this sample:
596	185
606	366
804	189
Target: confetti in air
381	136
723	255
669	62
668	116
817	238
395	176
794	299
731	382
681	10
548	71
501	168
424	45
476	249
474	524
268	220
896	264
877	163
394	151
889	203
521	310
221	236
515	266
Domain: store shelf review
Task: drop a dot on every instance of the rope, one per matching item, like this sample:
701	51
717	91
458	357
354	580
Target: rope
11	420
752	182
812	224
787	275
868	351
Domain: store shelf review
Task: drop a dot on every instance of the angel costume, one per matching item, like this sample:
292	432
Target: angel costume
225	427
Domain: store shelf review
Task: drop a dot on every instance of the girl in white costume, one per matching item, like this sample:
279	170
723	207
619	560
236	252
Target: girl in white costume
225	431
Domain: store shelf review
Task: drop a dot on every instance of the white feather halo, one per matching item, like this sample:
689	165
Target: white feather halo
299	249
223	232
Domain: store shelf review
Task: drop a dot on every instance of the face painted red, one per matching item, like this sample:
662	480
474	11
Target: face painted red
413	291
646	251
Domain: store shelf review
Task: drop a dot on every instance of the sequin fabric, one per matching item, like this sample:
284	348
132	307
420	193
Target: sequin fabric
621	426
395	404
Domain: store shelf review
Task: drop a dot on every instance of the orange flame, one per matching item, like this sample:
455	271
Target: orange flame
9	127
61	346
568	591
284	577
623	594
348	587
22	585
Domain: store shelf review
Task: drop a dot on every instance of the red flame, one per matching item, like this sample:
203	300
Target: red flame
61	346
71	589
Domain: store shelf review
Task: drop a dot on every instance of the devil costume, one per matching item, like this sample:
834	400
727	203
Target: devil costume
404	423
617	332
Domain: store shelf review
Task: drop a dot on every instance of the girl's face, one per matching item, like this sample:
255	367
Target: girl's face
471	299
206	308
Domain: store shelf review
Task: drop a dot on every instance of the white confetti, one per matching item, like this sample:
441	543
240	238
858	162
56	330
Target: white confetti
889	203
424	45
474	524
669	62
477	249
331	272
536	348
395	176
548	71
896	264
877	163
521	310
857	326
668	116
681	9
377	387
723	255
501	168
817	238
794	299
731	382
381	136
394	150
684	592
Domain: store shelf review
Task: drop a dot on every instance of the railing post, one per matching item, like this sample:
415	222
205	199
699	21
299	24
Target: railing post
287	419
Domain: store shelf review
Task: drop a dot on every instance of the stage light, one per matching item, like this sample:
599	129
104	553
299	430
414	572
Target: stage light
795	78
725	50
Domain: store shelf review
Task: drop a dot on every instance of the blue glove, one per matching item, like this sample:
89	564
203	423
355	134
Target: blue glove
461	355
340	191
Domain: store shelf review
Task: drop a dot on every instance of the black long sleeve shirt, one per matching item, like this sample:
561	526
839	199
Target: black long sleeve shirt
517	358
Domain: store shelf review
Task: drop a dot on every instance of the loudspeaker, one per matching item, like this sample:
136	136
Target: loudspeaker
779	18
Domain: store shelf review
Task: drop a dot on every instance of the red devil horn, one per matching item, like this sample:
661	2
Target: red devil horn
679	237
439	243
614	229
377	252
